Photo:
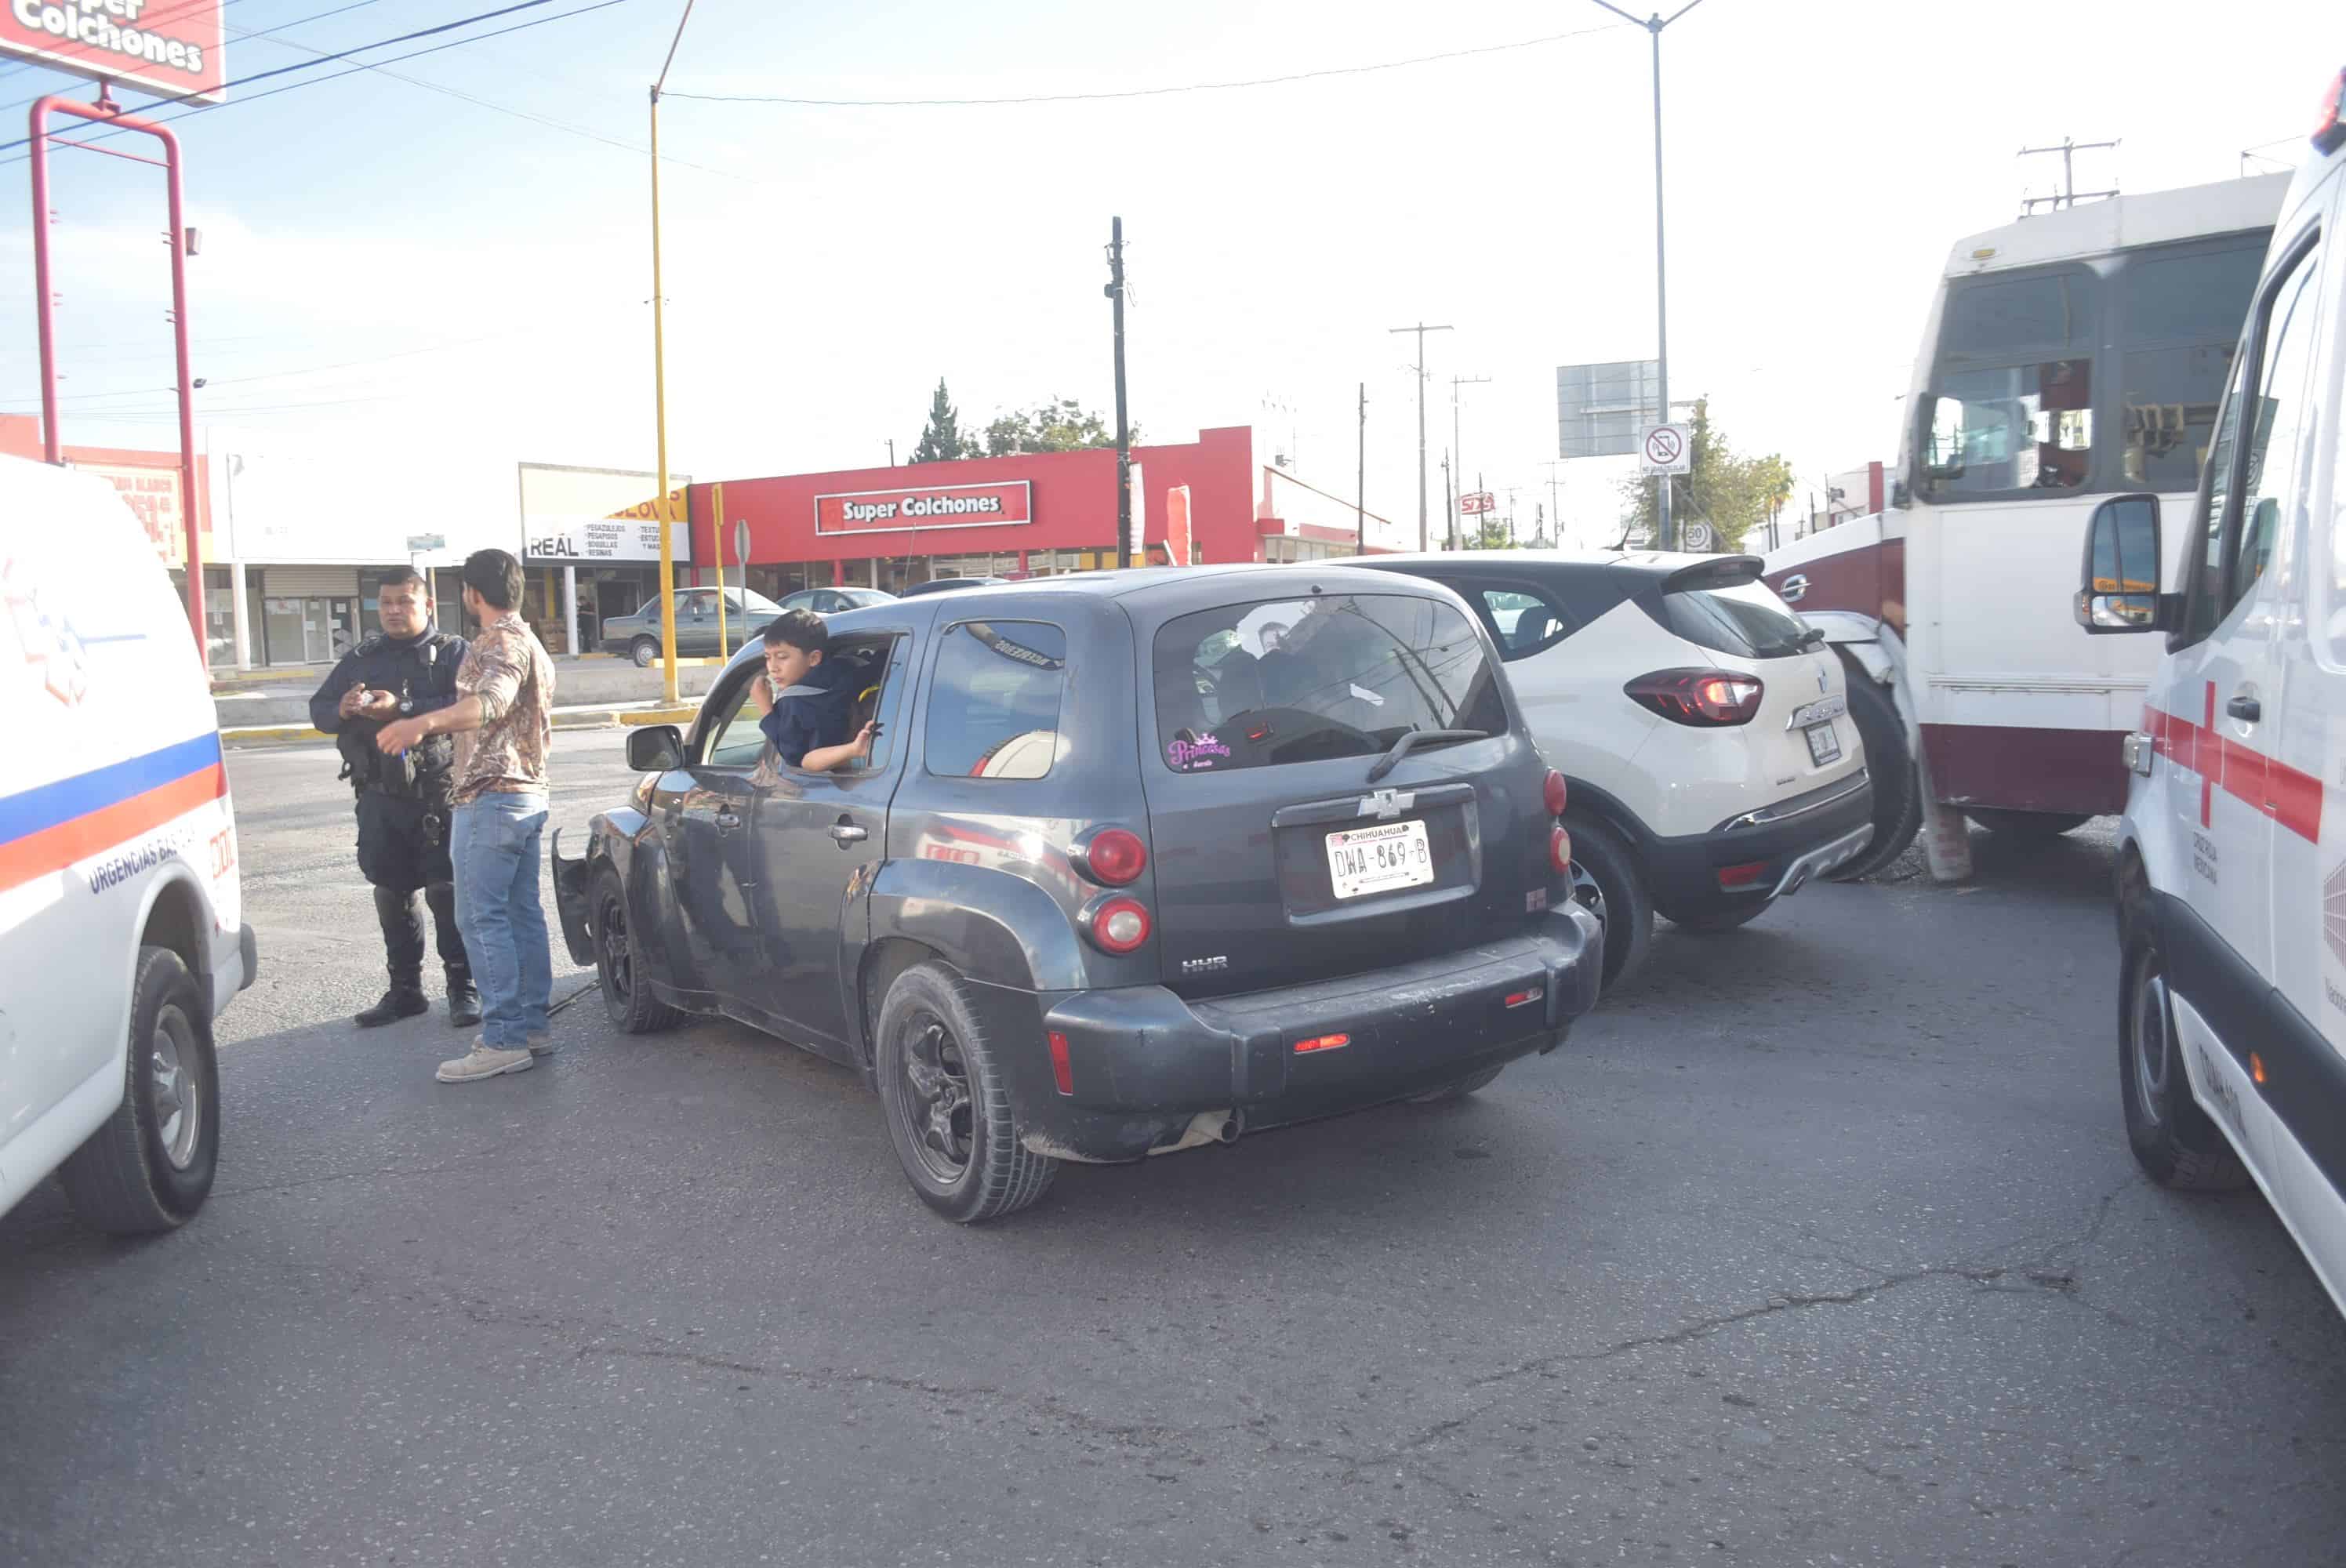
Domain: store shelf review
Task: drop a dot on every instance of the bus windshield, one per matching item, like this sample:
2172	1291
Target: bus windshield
2018	404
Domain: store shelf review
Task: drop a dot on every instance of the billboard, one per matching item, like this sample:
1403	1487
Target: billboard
172	48
1604	409
918	508
155	495
599	516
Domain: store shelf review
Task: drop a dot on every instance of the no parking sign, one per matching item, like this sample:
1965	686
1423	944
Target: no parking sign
1666	449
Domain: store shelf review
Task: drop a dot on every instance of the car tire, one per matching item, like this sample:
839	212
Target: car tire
946	1101
1710	921
2173	1139
1607	883
644	650
628	1002
1459	1090
151	1164
1897	782
2026	827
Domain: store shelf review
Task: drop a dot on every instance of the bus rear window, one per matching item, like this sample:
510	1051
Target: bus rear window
1299	680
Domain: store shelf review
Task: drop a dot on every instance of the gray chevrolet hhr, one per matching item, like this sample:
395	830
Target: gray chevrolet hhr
1141	861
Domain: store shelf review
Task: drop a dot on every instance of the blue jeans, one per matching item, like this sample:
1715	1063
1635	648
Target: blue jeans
493	843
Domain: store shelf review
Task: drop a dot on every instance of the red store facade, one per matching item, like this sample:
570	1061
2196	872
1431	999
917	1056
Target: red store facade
1032	516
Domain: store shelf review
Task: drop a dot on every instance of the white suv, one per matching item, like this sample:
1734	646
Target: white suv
2231	883
1702	728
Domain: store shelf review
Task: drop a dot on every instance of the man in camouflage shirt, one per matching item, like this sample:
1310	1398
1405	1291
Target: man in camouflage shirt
504	725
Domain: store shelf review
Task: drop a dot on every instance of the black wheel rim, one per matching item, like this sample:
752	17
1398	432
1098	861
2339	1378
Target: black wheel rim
611	943
932	1078
2152	1050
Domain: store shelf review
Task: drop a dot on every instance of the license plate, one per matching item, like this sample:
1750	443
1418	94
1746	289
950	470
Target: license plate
1824	743
1379	859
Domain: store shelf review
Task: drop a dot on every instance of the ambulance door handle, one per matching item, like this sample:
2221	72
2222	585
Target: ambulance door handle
2246	709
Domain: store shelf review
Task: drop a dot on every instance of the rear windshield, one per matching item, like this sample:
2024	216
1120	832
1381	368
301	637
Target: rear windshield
1746	621
1298	680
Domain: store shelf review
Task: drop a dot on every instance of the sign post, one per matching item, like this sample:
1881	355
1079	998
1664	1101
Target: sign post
717	521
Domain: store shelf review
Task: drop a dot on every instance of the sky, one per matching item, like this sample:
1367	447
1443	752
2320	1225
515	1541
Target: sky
443	275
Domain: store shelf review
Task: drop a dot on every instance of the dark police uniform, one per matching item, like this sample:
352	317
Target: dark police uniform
403	805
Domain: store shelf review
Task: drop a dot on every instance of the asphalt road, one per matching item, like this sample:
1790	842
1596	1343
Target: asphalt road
1822	1244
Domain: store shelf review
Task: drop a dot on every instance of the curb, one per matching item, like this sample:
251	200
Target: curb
584	718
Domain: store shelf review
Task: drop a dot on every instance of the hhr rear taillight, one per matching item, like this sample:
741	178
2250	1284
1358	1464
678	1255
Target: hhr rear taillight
1118	923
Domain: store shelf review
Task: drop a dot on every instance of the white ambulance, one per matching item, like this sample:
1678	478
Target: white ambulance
120	929
2232	862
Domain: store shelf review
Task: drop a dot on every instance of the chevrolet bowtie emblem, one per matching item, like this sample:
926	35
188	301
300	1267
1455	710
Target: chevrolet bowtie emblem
1386	804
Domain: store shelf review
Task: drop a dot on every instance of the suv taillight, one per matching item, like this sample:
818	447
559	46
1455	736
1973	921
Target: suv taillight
1112	857
1559	849
1704	699
2328	132
1118	924
1553	792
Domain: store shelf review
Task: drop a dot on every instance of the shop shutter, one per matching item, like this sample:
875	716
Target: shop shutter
341	582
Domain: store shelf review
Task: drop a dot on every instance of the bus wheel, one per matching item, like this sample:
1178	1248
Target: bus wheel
1897	782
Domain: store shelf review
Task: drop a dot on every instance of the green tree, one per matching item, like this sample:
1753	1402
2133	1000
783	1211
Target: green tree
1062	425
942	440
1732	493
1490	534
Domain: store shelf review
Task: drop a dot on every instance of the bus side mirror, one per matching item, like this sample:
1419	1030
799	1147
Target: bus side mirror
2118	590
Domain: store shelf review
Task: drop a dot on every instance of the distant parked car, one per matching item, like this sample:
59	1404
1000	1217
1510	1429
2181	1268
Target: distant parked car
832	601
946	584
1121	876
1706	732
746	615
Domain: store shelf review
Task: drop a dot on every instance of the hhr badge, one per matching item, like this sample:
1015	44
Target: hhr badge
1204	965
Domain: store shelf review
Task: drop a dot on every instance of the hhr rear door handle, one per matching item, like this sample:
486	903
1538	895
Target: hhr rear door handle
845	832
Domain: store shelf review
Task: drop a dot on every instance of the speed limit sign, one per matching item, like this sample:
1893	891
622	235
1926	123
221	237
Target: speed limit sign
1696	536
1666	449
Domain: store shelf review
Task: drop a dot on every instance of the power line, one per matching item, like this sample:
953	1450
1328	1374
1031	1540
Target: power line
346	53
1144	92
354	70
532	117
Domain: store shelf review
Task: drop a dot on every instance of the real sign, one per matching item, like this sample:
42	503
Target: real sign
1666	449
1477	501
171	48
918	508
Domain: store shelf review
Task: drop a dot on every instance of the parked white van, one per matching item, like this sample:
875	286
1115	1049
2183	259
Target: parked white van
2232	859
120	928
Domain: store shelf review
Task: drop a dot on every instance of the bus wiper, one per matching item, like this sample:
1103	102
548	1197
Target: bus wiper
1415	738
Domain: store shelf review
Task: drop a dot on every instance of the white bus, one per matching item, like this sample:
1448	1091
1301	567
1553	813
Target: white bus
2067	357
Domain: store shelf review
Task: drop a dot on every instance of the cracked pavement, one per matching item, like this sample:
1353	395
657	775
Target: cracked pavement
1820	1244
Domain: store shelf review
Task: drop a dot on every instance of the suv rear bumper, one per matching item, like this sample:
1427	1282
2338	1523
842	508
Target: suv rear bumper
1791	841
1150	1072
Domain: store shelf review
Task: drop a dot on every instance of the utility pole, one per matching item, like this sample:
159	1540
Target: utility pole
1114	292
1553	504
1421	330
891	451
1653	26
1449	502
660	396
1361	479
2069	197
1457	442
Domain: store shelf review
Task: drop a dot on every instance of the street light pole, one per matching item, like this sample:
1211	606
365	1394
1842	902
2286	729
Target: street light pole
659	395
1457	440
1361	479
1114	292
1421	330
1666	536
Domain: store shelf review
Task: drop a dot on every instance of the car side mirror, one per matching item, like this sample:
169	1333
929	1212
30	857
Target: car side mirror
2119	587
655	749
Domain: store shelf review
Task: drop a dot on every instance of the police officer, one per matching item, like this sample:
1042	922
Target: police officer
404	801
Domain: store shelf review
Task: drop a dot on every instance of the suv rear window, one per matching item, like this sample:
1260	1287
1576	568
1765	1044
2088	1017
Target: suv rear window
993	707
1297	681
1746	621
